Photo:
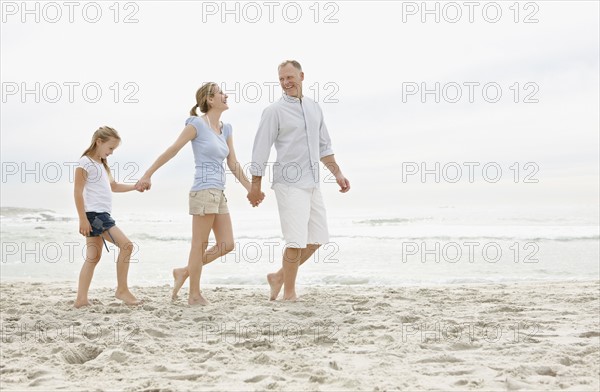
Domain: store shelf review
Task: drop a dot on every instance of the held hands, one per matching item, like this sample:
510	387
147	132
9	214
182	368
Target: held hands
255	196
144	184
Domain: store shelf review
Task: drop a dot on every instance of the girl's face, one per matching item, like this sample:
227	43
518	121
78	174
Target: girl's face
104	149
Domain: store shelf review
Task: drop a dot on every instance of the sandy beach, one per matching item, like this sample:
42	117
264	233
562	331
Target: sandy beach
518	336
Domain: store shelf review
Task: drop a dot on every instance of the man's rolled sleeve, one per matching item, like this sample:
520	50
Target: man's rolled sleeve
264	140
325	148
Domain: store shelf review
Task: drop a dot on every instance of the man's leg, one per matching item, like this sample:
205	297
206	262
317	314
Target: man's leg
318	233
290	259
294	214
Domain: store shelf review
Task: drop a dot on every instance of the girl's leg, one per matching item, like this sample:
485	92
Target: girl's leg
125	250
93	253
224	237
201	226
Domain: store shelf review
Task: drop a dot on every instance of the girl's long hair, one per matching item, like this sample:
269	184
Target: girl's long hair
104	134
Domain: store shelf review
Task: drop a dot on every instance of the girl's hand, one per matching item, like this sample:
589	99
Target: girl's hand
85	228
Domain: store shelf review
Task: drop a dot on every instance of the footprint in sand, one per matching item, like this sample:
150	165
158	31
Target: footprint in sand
545	371
254	379
317	379
39	381
118	356
262	359
156	333
160	368
589	334
334	365
305	313
111	309
198	350
35	374
464	346
385	339
442	359
80	354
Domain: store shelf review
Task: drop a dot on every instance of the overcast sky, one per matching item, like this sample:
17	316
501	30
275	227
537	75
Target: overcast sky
367	67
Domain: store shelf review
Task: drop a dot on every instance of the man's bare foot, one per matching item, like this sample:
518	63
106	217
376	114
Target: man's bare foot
199	300
81	303
127	297
276	282
179	277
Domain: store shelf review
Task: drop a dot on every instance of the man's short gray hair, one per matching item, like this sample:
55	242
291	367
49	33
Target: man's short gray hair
293	62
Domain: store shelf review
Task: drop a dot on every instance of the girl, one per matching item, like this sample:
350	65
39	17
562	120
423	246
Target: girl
93	199
212	142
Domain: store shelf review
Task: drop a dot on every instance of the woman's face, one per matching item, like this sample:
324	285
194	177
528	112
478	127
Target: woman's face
218	100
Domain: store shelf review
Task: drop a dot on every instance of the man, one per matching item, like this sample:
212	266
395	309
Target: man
295	125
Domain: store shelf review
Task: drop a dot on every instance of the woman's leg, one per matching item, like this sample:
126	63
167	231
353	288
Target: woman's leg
93	253
201	226
223	235
125	246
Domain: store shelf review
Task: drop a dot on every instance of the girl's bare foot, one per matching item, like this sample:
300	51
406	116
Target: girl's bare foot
179	277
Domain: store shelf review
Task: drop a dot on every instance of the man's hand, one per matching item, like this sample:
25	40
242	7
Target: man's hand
255	195
343	182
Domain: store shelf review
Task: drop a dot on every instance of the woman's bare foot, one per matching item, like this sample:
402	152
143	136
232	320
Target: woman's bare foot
81	303
179	277
199	300
127	297
276	282
291	298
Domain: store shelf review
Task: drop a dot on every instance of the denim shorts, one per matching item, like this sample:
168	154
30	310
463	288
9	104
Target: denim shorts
100	222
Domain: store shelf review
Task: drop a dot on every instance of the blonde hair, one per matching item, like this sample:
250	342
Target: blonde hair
293	62
104	134
202	96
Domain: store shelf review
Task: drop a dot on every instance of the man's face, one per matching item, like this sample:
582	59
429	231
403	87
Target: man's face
290	79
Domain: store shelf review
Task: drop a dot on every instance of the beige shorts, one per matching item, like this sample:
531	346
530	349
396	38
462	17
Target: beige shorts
208	201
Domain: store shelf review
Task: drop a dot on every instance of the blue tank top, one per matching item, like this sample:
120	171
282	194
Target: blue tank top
210	150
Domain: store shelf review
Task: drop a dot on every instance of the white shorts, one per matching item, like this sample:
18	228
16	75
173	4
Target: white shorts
302	215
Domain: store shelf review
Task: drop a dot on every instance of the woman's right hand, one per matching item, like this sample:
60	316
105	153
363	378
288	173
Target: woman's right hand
84	227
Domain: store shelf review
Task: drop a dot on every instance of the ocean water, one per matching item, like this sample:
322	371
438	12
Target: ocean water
413	247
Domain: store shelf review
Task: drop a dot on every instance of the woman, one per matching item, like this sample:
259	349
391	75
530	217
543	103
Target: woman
212	142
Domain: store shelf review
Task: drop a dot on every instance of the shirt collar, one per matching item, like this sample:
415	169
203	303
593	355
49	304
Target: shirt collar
289	98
